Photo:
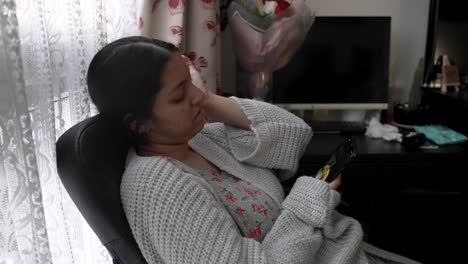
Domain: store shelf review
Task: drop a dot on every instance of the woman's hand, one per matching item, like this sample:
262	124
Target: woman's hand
197	80
218	108
335	184
208	102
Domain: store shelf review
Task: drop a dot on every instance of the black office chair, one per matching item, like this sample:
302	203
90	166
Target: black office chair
90	162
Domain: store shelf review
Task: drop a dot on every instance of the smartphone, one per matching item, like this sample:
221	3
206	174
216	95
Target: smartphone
340	158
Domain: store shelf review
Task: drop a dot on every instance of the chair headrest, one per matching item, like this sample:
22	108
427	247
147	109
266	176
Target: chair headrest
90	161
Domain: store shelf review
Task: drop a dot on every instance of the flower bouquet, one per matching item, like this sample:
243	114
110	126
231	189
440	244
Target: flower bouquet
266	35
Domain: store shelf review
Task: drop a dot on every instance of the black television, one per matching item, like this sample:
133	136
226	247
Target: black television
343	64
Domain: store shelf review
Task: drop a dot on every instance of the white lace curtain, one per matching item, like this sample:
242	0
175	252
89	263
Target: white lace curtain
45	49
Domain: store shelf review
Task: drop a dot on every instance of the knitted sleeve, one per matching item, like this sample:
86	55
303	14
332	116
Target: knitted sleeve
277	138
180	221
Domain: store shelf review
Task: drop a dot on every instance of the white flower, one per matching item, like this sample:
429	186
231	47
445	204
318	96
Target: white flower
269	7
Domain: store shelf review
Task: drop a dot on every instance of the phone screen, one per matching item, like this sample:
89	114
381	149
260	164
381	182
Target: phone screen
345	153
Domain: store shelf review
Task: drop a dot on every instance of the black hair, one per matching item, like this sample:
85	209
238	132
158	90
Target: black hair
124	77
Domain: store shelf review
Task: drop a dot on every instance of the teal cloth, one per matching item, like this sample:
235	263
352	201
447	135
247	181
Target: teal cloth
441	135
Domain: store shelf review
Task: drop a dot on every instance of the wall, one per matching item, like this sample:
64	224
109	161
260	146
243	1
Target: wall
452	39
408	37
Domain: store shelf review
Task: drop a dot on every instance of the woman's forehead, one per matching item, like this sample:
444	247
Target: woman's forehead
174	72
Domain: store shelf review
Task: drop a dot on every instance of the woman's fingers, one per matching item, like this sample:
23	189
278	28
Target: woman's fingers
335	183
194	74
186	60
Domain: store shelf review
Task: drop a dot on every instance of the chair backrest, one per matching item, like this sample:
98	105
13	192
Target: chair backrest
90	161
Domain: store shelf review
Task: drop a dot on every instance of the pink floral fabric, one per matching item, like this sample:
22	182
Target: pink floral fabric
193	26
253	210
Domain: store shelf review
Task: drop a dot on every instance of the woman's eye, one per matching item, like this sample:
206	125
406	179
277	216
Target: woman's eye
179	99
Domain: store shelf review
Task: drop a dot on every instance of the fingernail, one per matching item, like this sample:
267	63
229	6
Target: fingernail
186	59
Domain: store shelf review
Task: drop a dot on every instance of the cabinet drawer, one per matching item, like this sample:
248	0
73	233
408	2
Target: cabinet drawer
358	190
438	176
424	226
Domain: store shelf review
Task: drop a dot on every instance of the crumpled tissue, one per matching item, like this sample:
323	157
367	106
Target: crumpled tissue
375	129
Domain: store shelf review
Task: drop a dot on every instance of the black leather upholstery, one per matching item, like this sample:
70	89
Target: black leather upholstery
90	161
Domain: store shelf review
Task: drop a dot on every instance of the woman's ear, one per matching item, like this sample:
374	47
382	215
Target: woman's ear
144	127
139	128
130	121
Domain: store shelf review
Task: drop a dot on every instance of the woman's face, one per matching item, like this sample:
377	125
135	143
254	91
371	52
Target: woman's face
177	115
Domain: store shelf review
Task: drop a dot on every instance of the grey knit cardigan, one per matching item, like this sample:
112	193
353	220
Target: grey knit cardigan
176	217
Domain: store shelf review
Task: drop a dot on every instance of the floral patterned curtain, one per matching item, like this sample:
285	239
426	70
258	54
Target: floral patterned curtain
191	25
45	49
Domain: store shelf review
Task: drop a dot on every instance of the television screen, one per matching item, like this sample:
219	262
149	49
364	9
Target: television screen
343	60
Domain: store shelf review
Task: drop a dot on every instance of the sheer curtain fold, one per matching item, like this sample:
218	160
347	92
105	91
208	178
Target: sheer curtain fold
45	49
23	235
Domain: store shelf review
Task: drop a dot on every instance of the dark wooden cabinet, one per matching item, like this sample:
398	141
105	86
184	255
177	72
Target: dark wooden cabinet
409	202
447	108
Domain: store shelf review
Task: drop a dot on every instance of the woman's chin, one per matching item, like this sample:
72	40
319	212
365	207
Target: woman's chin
202	124
199	126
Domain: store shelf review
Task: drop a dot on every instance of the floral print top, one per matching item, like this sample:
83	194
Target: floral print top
253	210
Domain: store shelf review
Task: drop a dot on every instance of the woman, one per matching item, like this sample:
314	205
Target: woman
197	192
